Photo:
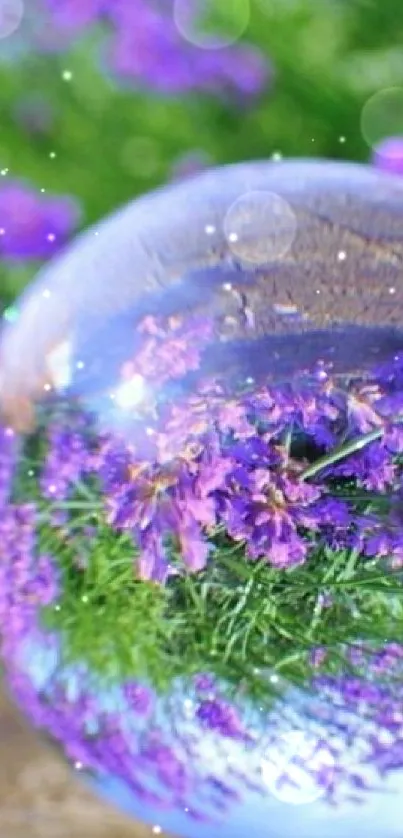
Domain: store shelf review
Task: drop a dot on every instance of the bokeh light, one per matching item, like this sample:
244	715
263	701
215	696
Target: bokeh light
260	227
290	768
11	15
382	116
211	24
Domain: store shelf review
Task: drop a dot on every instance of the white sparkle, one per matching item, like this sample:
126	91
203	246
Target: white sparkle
42	190
80	365
392	290
52	155
342	139
46	293
209	229
233	237
131	392
67	75
227	286
342	255
51	237
157	830
78	765
84	598
2	231
4	172
276	156
47	387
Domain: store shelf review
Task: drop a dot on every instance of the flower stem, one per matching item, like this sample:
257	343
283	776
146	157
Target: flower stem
339	453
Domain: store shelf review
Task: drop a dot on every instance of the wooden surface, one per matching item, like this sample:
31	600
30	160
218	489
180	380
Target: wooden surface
39	796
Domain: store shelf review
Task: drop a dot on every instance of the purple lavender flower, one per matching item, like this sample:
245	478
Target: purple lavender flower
264	510
44	585
145	47
170	770
372	467
204	682
33	225
216	714
67	461
388	155
140	698
148	48
172	351
73	16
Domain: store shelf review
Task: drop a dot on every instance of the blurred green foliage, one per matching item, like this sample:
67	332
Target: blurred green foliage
107	143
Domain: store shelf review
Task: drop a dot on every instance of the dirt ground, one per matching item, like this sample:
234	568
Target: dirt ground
39	796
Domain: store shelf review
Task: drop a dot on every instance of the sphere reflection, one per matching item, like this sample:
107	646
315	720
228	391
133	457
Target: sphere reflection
168	387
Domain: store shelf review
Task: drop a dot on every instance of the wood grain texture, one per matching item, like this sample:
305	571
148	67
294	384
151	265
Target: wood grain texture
41	798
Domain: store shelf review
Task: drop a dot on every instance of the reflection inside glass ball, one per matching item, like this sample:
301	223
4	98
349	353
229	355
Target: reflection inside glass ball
168	295
177	360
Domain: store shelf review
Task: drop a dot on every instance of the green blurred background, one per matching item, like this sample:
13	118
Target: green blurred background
105	143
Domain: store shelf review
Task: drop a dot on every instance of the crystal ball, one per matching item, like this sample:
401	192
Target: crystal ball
200	452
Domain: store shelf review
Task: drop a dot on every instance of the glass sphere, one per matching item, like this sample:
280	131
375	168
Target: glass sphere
200	489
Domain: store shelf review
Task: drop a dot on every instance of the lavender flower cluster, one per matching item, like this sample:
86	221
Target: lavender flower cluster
214	460
146	47
33	225
209	459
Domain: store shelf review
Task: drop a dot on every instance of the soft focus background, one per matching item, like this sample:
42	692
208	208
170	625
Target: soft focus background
101	100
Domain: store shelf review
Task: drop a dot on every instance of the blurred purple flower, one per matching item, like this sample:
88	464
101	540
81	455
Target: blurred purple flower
170	770
146	47
216	714
388	155
372	467
73	16
139	697
33	225
43	588
149	50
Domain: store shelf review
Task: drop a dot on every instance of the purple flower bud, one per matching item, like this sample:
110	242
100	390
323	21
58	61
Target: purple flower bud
388	155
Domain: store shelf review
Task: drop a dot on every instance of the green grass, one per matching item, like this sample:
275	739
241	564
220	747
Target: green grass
237	619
